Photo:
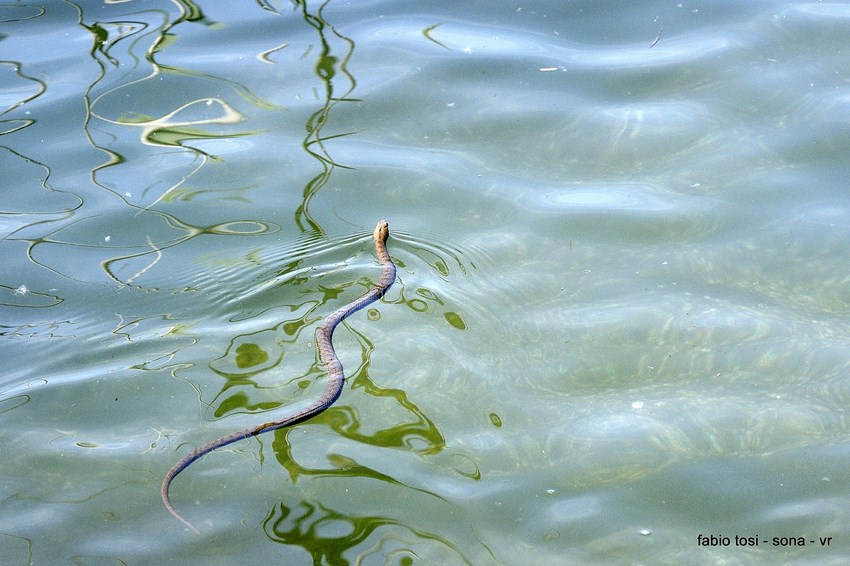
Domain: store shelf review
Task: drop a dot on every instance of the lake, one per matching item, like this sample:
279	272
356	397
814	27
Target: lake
619	329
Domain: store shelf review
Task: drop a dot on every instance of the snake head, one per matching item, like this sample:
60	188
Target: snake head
382	232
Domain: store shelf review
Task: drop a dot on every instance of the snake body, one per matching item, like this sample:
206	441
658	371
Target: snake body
325	348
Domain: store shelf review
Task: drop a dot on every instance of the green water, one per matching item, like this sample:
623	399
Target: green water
619	331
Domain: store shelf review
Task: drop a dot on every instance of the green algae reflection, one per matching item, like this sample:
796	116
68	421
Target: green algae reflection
309	525
249	355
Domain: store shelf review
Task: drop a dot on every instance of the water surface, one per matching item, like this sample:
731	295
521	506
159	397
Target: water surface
620	320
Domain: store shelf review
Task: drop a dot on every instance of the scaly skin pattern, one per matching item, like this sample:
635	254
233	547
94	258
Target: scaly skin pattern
325	347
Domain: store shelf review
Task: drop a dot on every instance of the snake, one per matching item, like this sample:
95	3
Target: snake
328	357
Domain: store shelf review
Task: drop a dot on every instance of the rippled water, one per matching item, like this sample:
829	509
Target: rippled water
620	320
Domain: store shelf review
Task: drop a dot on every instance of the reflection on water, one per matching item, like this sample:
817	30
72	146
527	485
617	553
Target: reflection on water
312	526
620	313
331	69
161	131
